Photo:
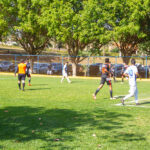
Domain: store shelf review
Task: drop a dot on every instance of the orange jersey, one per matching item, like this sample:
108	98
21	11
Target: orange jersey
21	68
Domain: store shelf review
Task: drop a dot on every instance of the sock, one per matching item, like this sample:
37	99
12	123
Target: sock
19	85
111	93
29	81
23	86
97	91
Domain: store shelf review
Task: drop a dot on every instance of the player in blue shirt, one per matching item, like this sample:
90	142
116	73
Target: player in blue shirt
28	71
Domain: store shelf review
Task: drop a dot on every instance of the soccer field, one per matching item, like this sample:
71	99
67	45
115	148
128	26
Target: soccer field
52	116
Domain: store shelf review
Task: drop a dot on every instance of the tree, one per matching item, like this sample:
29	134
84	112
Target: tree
23	23
3	23
76	23
127	30
144	48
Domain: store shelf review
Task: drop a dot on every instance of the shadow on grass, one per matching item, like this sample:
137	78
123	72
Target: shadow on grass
37	89
142	103
39	84
119	97
55	126
129	137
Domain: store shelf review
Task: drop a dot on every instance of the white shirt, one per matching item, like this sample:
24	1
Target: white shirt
131	71
65	70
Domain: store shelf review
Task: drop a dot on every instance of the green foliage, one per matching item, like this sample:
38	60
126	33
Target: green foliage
144	48
23	23
115	50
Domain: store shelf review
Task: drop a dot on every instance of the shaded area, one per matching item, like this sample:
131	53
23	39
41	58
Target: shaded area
34	89
39	84
129	137
142	103
119	97
23	124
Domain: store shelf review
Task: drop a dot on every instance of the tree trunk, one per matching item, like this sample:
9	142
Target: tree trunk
74	69
126	60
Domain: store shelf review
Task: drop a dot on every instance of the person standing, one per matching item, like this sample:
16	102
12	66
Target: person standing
28	71
124	68
106	74
113	73
21	69
132	73
64	73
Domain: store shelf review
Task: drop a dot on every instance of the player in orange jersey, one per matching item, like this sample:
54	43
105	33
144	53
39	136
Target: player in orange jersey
21	69
106	74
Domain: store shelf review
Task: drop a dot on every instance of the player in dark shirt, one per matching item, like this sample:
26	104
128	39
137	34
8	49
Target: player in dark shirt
28	71
106	74
113	73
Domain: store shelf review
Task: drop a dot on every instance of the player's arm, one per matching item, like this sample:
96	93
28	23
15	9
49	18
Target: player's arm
125	74
137	74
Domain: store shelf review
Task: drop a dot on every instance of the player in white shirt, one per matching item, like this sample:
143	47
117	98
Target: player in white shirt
64	72
132	73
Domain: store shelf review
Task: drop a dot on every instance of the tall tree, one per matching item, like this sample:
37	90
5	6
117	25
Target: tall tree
76	23
23	22
126	29
3	22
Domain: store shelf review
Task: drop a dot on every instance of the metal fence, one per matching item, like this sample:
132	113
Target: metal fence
89	66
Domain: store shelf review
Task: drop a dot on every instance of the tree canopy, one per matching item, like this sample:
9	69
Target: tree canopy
77	24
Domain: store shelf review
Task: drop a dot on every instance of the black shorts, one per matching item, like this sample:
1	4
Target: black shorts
21	77
105	79
28	75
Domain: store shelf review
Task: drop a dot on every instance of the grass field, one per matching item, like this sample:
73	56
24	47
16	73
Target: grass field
54	116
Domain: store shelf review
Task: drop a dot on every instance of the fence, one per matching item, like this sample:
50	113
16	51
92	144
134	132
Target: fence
88	66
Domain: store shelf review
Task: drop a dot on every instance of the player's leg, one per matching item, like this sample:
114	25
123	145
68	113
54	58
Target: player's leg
122	77
99	87
29	78
97	90
136	96
62	78
131	93
67	78
19	81
23	81
114	77
110	89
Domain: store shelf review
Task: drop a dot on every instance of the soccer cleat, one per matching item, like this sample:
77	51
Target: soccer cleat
94	96
29	84
122	101
137	103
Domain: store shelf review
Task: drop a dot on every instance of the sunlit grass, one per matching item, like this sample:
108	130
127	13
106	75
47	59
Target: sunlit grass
54	116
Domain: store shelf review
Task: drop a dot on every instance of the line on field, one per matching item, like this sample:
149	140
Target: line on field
120	104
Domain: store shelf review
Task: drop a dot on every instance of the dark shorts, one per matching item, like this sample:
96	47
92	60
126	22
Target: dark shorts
105	79
28	75
21	77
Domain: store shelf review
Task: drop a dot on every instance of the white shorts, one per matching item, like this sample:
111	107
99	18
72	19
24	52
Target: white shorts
65	74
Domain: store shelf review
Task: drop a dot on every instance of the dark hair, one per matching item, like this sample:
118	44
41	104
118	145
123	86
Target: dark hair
106	60
21	60
133	61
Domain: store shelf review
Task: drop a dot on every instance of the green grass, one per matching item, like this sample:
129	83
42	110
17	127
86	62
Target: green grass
48	110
